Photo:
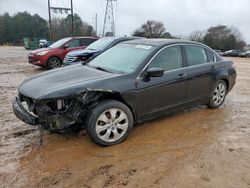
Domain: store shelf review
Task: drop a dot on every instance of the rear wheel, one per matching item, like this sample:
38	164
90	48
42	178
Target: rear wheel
109	123
54	62
218	94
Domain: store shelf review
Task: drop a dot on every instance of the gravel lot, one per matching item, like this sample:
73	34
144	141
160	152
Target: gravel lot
198	147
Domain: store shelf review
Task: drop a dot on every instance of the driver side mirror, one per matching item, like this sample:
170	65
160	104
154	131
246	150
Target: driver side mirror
65	46
155	72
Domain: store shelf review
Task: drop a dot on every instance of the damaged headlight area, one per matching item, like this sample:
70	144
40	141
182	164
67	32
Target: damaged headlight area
60	105
55	114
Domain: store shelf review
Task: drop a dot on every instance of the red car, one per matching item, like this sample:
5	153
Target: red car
52	57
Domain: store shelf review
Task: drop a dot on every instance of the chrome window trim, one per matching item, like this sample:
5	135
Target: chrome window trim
139	75
181	44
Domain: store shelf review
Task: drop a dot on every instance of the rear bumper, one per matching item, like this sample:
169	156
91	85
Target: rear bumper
22	113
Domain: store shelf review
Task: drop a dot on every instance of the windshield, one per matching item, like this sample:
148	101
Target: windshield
123	58
59	43
100	44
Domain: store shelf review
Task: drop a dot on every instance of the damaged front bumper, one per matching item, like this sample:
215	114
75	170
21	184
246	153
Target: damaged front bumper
54	114
22	113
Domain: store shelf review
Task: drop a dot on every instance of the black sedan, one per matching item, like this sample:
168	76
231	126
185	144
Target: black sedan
94	50
133	82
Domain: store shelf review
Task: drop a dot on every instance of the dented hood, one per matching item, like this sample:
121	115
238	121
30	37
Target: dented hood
63	82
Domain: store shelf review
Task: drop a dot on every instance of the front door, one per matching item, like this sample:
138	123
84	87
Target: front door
155	95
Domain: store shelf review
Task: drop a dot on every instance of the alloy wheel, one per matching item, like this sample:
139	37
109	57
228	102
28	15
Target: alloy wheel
112	125
219	94
54	63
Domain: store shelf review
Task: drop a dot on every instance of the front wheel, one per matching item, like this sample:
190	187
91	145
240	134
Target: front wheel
218	94
109	123
54	62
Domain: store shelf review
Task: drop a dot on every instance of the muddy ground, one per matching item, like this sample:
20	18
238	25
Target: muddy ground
198	147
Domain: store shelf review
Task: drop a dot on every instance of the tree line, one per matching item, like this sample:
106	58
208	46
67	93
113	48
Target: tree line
23	24
220	37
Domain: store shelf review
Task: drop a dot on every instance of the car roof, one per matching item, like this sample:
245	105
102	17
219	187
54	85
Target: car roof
84	37
161	42
121	38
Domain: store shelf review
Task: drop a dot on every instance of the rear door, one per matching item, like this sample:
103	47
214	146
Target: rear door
201	64
158	94
72	45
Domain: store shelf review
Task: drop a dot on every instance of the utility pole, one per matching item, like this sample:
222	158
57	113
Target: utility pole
96	24
50	28
61	9
109	22
72	18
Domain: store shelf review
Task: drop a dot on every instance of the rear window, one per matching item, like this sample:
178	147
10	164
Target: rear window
195	55
73	43
86	42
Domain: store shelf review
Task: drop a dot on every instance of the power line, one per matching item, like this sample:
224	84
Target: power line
109	22
57	9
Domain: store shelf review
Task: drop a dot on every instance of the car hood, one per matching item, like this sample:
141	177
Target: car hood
42	50
62	82
80	53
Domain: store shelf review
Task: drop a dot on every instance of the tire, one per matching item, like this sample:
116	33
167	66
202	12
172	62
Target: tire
218	94
54	62
109	123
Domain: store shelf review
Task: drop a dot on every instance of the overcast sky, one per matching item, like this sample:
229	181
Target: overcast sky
179	16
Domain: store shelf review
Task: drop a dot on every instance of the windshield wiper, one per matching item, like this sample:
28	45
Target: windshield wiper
90	49
96	67
102	69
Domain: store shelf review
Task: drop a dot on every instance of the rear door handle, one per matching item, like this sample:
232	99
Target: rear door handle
213	66
181	75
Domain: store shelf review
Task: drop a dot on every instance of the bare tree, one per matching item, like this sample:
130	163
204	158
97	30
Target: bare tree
152	29
196	36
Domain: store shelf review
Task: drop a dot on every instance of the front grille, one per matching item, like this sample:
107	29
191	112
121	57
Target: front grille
69	59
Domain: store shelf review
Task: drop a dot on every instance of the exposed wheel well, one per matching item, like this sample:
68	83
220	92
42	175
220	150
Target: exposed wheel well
227	82
103	95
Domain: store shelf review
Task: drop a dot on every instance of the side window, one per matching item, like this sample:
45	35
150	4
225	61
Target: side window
73	43
86	42
210	56
168	59
195	55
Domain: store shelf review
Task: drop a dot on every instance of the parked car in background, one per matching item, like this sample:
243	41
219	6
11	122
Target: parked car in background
219	52
47	44
226	53
42	42
245	54
52	57
133	82
94	50
233	53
